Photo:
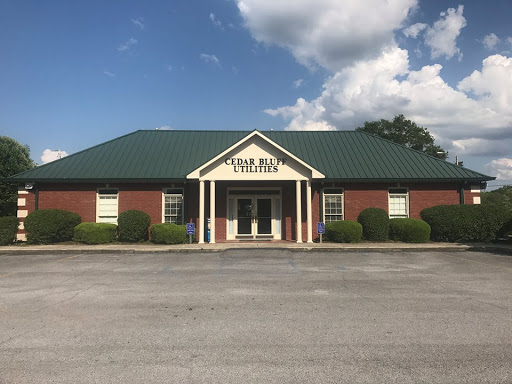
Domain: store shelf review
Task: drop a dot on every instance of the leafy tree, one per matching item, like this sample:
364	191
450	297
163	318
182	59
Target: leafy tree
14	158
501	197
405	132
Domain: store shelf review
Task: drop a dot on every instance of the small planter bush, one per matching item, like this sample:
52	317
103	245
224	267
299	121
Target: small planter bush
346	231
169	234
465	223
375	222
95	233
133	226
46	226
409	230
8	229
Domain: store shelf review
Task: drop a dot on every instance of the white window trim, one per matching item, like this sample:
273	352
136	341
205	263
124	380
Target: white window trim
342	194
182	195
98	202
406	194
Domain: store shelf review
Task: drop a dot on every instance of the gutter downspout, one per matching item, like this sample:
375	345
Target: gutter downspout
321	210
461	193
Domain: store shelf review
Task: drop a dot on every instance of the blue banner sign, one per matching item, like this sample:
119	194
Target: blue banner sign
320	228
191	228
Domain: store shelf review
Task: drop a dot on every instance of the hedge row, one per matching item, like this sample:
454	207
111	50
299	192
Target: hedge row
405	230
46	226
506	231
409	230
8	229
453	223
95	233
346	231
465	223
102	233
169	234
375	222
133	226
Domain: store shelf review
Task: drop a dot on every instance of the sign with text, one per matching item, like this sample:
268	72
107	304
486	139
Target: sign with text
255	165
255	159
320	228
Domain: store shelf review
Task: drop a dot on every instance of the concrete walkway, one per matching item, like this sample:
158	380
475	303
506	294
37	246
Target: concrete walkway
23	249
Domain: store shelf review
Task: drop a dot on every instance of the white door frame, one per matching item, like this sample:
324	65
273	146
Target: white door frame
232	213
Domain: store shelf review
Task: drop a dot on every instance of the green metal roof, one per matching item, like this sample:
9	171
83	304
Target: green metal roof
171	155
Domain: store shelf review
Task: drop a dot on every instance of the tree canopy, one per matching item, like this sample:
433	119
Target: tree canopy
14	158
405	132
501	197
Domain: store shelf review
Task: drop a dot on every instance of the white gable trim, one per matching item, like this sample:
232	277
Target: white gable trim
315	174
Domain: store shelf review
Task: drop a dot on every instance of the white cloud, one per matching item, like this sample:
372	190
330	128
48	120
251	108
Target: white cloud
304	116
211	59
330	33
348	97
492	85
490	41
127	45
169	68
482	146
501	168
509	41
51	155
442	36
139	23
383	87
298	83
109	74
371	76
414	30
216	21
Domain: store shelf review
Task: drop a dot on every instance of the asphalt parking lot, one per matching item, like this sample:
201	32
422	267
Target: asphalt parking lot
256	316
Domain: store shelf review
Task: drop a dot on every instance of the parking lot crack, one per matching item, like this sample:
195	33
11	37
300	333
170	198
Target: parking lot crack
66	300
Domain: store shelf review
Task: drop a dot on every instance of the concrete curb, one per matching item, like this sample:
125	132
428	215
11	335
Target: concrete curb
212	248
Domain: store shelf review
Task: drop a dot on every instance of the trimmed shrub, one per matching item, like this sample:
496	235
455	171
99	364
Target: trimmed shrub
506	230
95	233
465	223
47	226
8	229
169	234
346	231
375	222
133	226
409	230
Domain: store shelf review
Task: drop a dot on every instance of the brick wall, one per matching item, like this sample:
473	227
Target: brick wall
143	197
421	196
78	198
429	195
360	196
81	198
472	194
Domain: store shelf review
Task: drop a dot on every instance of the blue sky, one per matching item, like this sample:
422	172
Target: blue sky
75	74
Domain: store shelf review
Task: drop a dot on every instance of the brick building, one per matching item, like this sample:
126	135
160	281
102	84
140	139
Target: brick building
247	185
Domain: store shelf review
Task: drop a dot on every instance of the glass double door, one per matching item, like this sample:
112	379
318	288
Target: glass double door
254	216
